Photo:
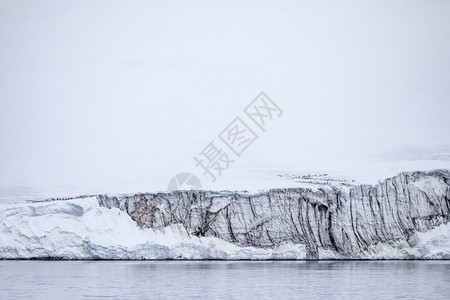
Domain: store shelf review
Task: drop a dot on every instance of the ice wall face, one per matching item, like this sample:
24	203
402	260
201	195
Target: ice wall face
348	221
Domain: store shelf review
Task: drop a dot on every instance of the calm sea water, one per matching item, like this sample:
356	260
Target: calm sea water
226	280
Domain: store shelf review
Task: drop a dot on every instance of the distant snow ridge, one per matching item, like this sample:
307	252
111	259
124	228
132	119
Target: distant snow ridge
318	179
404	217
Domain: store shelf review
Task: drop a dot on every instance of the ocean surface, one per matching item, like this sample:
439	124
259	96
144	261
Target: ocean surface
224	280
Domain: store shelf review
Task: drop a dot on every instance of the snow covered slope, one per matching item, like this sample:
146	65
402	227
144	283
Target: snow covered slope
107	92
402	218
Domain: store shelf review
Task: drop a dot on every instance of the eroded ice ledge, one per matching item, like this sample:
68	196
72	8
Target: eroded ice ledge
348	222
404	217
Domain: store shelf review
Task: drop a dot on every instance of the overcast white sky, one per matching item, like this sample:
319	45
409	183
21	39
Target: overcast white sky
109	95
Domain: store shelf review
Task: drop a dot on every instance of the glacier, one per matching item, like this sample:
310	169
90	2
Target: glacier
403	217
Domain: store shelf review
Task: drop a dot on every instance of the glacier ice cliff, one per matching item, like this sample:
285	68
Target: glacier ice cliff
404	217
349	222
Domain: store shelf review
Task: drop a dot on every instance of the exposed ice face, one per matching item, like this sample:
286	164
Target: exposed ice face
350	222
403	217
81	229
